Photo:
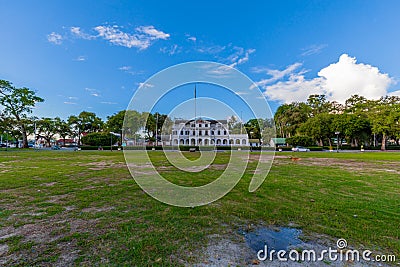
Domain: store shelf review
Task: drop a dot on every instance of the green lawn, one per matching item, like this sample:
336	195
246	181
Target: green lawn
84	207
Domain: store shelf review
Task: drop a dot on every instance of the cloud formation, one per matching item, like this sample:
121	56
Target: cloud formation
313	49
54	38
347	77
240	56
338	82
141	38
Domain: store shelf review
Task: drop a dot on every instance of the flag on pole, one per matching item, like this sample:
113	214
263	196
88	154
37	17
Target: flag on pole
195	94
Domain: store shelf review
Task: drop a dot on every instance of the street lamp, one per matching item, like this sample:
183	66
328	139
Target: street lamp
337	141
6	140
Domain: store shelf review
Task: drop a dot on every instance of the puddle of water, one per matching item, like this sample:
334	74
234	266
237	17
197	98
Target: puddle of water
280	239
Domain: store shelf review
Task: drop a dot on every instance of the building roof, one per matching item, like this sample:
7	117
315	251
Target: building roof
201	120
279	140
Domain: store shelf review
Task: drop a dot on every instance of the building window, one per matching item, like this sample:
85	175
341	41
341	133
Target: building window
219	132
212	132
206	132
200	132
206	125
181	132
194	133
192	125
200	125
224	132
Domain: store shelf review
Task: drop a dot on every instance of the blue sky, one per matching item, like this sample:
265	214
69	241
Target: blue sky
82	55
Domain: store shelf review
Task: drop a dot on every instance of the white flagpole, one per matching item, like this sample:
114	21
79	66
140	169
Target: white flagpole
195	115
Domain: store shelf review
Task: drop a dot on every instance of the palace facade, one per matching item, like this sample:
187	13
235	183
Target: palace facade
205	132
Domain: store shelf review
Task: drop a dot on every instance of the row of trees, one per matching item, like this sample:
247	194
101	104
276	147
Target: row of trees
16	120
359	120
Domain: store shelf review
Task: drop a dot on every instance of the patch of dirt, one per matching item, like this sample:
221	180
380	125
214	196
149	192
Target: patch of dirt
48	184
345	164
101	165
97	209
232	250
68	253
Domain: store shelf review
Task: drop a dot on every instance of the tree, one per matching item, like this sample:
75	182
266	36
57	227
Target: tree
385	118
300	140
133	121
99	139
47	128
154	123
63	129
320	128
234	125
85	122
18	103
318	104
290	117
253	129
115	122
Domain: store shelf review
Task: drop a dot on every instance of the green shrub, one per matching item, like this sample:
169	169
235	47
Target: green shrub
300	141
99	139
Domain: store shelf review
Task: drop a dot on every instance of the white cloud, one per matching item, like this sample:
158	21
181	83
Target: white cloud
54	38
297	88
146	85
313	49
153	33
174	49
125	68
77	32
81	58
192	38
108	103
72	98
394	93
347	77
69	103
240	56
141	39
338	82
93	92
275	74
128	69
213	49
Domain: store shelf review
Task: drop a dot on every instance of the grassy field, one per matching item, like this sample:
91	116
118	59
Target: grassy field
84	208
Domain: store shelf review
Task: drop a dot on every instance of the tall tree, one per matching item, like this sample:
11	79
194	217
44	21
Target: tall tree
85	122
63	129
318	104
18	103
47	128
385	118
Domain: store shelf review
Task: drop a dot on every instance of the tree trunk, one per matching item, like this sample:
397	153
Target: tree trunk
24	137
383	146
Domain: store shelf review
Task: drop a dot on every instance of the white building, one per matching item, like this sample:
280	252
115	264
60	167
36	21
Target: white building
205	133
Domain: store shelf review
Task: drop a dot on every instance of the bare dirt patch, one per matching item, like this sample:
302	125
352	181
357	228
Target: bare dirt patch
344	164
101	165
232	250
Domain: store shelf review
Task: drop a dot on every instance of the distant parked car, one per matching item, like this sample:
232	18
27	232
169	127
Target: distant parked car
3	145
300	149
55	147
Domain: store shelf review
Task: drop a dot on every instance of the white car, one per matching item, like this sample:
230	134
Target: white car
300	149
